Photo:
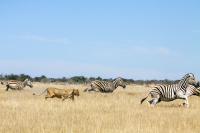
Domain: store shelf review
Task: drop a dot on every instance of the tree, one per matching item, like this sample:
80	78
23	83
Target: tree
99	78
37	79
79	79
12	77
92	78
22	77
64	79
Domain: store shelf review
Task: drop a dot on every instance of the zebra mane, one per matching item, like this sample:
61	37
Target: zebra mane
183	81
187	76
25	79
116	79
191	74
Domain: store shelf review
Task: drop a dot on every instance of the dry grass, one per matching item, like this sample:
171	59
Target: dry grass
117	112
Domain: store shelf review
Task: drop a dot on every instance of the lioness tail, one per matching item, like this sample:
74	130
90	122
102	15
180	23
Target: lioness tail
41	93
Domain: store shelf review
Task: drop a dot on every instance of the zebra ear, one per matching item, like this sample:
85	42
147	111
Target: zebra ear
191	74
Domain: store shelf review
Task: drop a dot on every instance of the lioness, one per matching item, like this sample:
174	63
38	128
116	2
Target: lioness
55	92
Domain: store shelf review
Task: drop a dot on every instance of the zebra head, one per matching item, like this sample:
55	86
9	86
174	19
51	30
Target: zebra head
192	80
28	82
119	82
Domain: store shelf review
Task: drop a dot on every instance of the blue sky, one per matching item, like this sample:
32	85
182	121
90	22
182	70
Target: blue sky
147	39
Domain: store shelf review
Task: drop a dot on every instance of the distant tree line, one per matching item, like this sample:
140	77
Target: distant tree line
81	79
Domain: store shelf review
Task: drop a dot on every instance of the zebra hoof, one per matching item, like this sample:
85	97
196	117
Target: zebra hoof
182	104
148	103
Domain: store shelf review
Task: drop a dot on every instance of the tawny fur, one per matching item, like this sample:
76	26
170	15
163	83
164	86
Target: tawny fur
60	93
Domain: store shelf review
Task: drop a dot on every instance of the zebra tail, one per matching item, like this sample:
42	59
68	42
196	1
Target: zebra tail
145	97
41	93
3	83
87	88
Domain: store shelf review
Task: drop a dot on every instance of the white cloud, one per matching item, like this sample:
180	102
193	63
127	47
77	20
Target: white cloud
42	39
58	69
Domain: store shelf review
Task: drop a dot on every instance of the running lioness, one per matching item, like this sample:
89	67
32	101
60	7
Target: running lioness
60	93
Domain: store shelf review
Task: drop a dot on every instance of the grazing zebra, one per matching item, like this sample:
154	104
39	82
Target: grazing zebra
191	90
103	86
171	92
17	85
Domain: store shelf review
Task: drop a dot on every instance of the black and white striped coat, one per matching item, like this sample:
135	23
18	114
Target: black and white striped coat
17	85
103	86
171	92
191	90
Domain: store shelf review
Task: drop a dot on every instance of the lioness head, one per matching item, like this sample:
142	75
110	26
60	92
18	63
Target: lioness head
76	92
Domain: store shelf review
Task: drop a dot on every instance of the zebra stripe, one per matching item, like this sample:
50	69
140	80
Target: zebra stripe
171	92
103	86
17	85
191	90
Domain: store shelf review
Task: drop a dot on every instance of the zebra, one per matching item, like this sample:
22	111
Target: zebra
191	90
171	92
17	85
107	87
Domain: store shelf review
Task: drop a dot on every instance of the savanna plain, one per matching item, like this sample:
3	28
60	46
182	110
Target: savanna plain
117	112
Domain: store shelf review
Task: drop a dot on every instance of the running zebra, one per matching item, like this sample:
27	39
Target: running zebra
191	90
17	85
103	86
171	92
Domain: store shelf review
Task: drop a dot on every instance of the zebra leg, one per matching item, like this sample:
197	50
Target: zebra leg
87	88
155	101
188	93
182	103
92	90
7	87
186	100
149	102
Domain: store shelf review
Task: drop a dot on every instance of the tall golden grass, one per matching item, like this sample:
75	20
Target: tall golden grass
117	112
